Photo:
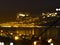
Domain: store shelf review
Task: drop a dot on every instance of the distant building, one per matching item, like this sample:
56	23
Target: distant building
35	25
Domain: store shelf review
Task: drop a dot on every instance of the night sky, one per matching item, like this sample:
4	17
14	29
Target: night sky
9	8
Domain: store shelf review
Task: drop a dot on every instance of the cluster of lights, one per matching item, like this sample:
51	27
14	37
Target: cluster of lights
21	25
57	9
50	41
2	43
21	15
49	14
11	43
5	26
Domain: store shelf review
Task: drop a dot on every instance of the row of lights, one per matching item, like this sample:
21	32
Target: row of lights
49	15
2	43
35	42
57	9
49	41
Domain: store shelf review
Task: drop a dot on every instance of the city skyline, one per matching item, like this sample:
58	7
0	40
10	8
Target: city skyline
9	8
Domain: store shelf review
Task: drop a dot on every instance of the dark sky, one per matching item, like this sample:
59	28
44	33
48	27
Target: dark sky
8	8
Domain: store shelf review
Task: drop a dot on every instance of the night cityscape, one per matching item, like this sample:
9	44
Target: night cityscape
30	22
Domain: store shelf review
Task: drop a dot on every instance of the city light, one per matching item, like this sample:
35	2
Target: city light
1	43
35	42
20	34
11	43
51	44
16	26
5	26
43	14
43	17
50	40
57	9
21	15
48	15
27	15
1	30
55	13
28	29
11	33
16	38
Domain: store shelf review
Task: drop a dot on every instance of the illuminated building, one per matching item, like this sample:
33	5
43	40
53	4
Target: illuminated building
32	25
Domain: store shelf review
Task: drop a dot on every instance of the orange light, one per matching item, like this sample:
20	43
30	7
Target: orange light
16	38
